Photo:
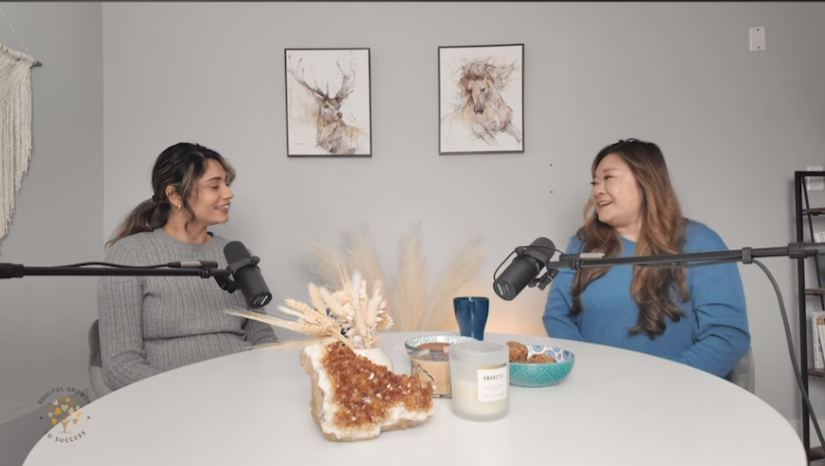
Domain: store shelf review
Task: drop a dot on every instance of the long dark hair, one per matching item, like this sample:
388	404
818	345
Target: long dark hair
179	166
654	290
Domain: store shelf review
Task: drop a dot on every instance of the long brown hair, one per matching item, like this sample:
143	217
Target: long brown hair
655	290
179	166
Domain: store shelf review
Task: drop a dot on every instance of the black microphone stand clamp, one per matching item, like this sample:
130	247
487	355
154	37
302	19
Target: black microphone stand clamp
544	280
227	283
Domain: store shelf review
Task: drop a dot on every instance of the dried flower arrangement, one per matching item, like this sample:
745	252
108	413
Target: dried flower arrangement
412	307
348	315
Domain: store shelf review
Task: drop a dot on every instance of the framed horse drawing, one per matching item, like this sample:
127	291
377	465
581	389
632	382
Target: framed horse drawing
481	99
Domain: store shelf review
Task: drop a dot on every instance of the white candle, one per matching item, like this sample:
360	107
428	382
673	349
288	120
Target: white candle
479	380
465	402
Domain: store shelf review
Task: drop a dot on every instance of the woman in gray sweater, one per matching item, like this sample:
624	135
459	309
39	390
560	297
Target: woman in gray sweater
149	325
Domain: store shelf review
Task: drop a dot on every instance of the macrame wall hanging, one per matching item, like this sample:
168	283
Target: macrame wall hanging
15	126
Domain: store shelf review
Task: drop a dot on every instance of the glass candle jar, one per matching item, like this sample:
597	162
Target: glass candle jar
479	380
431	364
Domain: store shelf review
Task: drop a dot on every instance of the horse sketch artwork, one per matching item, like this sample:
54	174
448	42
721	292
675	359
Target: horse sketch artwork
328	102
481	99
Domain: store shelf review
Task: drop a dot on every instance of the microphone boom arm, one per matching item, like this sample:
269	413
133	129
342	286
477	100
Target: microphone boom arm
798	250
19	271
745	255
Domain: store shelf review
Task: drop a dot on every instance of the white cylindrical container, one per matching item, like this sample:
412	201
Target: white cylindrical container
479	380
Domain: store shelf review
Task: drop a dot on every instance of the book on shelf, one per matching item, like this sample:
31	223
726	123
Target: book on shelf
817	338
820	327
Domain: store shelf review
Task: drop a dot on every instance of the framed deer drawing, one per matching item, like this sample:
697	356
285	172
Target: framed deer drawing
481	99
328	102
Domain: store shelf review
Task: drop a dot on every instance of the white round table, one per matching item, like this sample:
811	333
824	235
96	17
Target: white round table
617	407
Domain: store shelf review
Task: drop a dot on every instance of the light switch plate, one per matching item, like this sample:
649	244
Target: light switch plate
757	34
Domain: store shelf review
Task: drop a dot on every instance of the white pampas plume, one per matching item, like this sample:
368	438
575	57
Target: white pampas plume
359	255
317	301
291	312
407	295
323	329
384	320
332	303
330	267
357	281
360	327
372	307
461	271
410	306
286	344
357	287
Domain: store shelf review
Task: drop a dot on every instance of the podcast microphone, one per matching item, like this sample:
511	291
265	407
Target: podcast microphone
525	269
247	275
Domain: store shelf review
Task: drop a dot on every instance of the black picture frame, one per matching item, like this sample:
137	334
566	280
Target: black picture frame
318	122
460	128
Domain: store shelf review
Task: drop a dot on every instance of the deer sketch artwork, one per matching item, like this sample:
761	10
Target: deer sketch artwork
481	114
333	135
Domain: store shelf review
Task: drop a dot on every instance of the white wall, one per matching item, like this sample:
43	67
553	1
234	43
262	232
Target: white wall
44	321
734	125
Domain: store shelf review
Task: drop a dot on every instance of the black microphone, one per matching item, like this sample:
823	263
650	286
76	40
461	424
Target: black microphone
247	275
525	269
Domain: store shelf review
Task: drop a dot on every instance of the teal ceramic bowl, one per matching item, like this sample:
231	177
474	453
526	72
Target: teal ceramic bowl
538	375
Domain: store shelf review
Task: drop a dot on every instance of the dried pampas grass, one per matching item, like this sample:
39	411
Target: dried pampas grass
408	294
349	315
329	266
290	344
361	256
460	272
409	303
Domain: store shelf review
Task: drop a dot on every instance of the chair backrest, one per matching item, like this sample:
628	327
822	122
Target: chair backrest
98	384
94	345
743	373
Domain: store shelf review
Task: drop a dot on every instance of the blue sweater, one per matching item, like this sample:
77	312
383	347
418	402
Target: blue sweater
712	336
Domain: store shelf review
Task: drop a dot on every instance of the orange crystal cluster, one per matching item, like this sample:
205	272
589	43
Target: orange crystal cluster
366	392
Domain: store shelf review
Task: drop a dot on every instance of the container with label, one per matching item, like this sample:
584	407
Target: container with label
479	380
431	362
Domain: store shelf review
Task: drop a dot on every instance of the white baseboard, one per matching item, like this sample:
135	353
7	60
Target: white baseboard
21	410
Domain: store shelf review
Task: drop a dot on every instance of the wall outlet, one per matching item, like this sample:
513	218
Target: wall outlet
819	237
815	183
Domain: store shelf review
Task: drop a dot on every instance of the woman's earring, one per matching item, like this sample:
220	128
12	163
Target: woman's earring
178	206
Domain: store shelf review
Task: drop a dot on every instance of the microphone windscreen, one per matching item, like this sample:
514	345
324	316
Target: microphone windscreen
235	251
545	249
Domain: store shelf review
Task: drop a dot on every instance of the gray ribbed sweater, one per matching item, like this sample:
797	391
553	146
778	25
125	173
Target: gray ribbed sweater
150	325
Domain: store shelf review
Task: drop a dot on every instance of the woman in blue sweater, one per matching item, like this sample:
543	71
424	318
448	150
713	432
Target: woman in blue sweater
695	316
